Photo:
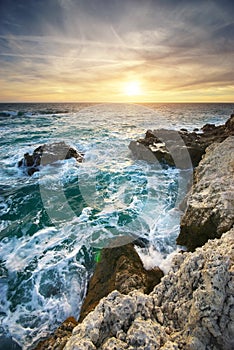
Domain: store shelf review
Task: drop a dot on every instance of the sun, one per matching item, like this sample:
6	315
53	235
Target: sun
132	88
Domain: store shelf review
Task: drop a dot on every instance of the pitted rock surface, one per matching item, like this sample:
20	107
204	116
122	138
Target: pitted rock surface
191	309
210	203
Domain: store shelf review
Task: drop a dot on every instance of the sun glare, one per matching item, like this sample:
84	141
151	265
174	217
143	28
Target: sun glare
132	88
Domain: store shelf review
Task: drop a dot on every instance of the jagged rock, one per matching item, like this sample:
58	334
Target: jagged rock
191	309
182	149
48	154
230	123
210	202
58	340
119	268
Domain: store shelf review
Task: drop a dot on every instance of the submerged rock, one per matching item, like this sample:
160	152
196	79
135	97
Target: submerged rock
48	154
210	202
119	268
182	149
191	309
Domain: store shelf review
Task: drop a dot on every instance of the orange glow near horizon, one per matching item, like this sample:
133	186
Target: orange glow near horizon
92	86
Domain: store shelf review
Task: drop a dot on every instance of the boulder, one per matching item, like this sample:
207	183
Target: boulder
191	308
210	202
182	149
48	154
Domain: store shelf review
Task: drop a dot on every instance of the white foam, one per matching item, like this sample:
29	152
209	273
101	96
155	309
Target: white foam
53	289
151	258
135	190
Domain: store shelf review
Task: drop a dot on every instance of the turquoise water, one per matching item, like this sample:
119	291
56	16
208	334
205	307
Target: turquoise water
54	223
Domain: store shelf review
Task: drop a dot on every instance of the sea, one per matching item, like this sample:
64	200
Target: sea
55	223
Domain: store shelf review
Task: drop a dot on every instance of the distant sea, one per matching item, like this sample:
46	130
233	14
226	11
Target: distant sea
54	223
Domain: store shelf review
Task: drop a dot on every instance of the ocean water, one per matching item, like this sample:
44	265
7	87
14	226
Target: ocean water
54	223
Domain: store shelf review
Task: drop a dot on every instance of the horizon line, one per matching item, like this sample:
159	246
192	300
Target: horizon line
116	102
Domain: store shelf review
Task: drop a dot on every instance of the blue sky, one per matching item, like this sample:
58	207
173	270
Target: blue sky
76	50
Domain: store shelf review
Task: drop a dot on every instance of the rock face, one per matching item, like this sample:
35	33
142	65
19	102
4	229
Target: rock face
47	154
180	148
60	337
119	268
210	202
191	309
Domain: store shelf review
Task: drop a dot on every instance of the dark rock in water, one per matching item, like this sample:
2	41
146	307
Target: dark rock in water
208	127
4	114
141	242
59	338
48	154
182	149
119	268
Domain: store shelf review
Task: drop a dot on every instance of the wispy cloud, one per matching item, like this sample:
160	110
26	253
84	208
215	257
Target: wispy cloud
88	49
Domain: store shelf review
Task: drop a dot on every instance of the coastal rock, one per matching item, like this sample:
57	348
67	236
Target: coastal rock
58	340
48	154
210	203
191	309
230	123
182	149
119	268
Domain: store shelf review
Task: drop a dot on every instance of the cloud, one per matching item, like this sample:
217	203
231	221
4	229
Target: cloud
88	45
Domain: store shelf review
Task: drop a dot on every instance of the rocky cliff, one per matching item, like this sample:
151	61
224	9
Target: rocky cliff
210	202
193	306
191	309
119	268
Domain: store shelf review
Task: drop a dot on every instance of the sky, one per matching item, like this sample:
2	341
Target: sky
116	51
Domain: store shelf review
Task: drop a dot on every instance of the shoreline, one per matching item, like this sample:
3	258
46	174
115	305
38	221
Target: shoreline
58	339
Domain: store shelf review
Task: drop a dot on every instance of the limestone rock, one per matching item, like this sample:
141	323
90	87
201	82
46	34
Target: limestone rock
210	203
195	298
58	340
48	154
119	268
182	149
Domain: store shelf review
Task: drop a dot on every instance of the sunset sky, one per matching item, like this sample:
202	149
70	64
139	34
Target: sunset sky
117	50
